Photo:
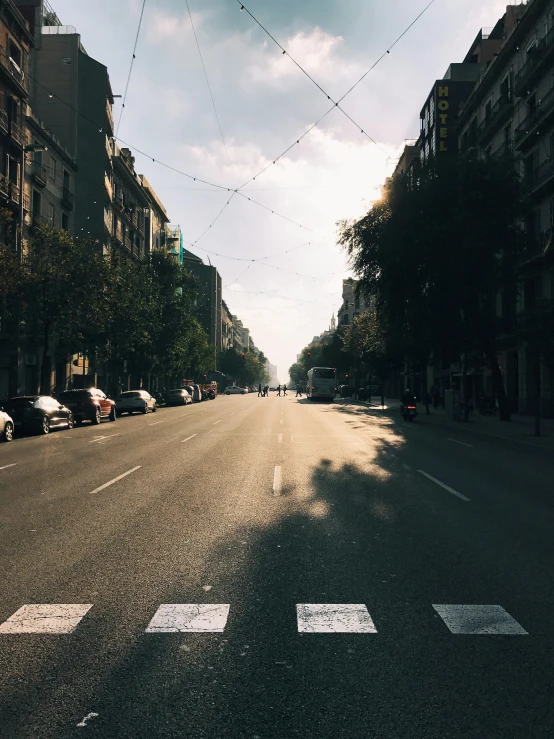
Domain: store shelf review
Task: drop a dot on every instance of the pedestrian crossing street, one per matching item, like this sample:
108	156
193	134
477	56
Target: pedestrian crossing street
311	618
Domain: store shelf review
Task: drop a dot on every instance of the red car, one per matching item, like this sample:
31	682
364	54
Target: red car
88	405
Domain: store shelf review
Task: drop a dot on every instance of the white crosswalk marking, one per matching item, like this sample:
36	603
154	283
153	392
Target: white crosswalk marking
45	618
334	618
478	619
189	617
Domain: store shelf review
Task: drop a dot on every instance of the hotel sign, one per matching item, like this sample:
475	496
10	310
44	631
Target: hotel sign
443	115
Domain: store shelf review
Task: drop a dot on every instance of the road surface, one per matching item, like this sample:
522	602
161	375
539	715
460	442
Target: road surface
271	568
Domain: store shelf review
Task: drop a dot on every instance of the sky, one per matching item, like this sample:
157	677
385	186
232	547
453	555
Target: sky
264	104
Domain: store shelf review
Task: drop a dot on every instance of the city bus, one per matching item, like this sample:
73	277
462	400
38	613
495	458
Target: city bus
322	383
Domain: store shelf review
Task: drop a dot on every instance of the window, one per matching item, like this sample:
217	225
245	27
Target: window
53	164
532	103
36	203
15	54
65	222
506	89
51	214
66	179
488	110
37	158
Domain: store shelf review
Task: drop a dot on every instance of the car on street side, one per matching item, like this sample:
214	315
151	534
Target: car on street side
6	426
179	396
135	401
39	413
88	405
233	390
195	392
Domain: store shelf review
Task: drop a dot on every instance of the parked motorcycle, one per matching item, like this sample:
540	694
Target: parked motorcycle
160	400
409	412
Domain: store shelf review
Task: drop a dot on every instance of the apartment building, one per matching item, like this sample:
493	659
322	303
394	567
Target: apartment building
511	112
352	303
50	170
73	98
226	327
130	203
209	300
174	242
156	218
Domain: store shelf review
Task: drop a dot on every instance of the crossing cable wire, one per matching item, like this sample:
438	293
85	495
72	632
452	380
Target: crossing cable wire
207	81
131	66
308	75
314	125
157	161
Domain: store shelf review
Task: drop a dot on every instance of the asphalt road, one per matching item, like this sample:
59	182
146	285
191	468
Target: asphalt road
271	569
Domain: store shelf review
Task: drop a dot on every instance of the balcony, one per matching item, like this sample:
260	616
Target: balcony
38	221
4	185
109	152
537	62
539	177
505	149
128	243
26	203
39	174
108	221
67	198
530	127
14	192
108	187
118	203
16	132
15	73
4	125
499	113
109	115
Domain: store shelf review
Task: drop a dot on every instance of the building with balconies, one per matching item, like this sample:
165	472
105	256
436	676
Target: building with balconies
510	112
226	327
156	218
130	204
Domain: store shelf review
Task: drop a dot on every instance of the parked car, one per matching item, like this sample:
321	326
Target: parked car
195	392
179	396
39	413
88	405
135	401
233	390
6	426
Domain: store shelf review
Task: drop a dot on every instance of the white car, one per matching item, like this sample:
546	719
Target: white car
135	401
232	390
6	426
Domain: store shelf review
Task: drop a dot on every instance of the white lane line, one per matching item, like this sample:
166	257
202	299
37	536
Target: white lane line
5	467
45	618
277	478
111	482
281	421
189	438
233	413
478	619
216	422
194	618
442	484
334	618
280	439
460	442
103	438
155	424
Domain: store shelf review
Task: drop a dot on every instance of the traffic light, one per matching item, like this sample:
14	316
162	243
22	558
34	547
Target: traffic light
309	354
205	375
346	375
242	354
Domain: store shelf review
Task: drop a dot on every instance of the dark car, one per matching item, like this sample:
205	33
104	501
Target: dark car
88	405
179	396
39	413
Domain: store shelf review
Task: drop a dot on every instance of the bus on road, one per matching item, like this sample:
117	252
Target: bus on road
322	383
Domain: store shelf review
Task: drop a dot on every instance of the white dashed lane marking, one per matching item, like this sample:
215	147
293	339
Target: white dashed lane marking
443	485
194	618
116	479
478	619
334	618
277	481
103	438
5	467
155	424
50	618
216	422
460	442
188	438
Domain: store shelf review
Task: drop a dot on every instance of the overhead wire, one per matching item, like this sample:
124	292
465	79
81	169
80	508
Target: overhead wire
131	66
314	125
207	81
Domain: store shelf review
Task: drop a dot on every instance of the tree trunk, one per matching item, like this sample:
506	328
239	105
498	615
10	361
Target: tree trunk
498	384
464	390
538	402
45	363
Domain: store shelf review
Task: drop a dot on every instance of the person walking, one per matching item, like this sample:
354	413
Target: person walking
260	390
279	390
284	389
298	391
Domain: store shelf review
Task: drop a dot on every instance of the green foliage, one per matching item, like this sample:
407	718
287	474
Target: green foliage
331	354
246	370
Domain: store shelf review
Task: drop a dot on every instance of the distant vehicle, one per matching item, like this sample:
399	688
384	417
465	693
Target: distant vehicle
135	401
6	426
233	390
39	413
88	405
179	396
322	383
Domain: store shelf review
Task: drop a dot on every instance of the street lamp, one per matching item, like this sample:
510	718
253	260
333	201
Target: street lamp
24	150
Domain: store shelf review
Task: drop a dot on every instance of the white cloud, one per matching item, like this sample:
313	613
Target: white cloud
316	51
164	27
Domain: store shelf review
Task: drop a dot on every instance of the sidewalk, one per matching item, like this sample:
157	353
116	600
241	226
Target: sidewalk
520	429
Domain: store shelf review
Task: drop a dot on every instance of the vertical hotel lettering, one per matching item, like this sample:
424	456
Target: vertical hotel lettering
443	106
